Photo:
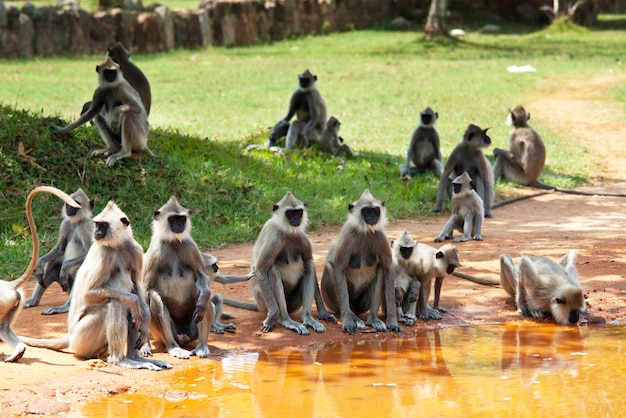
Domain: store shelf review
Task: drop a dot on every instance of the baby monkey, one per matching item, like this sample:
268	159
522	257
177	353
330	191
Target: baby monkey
467	212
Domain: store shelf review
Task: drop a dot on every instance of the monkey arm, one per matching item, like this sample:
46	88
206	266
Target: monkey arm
446	232
96	106
103	294
508	155
202	283
294	103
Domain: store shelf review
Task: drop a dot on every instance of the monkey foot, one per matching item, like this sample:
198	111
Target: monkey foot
201	350
19	352
179	352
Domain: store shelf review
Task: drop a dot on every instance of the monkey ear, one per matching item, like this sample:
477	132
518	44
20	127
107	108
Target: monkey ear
527	115
157	214
305	204
314	78
91	204
585	296
350	207
125	221
98	69
192	212
472	185
437	115
275	208
439	255
560	300
382	203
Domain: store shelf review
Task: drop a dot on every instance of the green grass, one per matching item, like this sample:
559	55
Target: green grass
209	104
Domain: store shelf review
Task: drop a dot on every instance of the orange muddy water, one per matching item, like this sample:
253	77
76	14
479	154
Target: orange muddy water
505	370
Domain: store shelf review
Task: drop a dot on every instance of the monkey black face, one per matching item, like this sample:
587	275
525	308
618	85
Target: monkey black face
177	223
109	74
406	252
305	82
457	187
102	229
371	215
485	137
294	216
427	118
214	267
450	269
70	210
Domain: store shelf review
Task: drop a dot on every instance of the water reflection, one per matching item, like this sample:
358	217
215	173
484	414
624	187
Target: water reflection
507	370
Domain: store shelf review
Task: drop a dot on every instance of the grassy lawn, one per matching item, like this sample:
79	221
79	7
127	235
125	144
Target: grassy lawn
208	105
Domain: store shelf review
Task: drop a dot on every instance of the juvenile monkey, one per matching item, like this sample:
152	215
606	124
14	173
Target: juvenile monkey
61	263
125	127
108	312
423	263
467	212
468	156
407	283
331	142
309	108
543	287
284	271
178	288
358	273
11	292
424	149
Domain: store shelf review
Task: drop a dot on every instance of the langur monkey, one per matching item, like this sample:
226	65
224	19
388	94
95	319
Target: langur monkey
125	127
11	292
422	263
178	288
284	271
61	263
424	150
359	273
543	287
108	312
468	156
309	108
467	212
135	77
331	142
407	283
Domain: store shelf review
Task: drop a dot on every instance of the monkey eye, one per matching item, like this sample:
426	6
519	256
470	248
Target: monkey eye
560	300
585	296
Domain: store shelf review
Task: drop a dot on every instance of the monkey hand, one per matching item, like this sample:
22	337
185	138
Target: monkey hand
198	313
350	323
136	314
413	295
64	278
400	294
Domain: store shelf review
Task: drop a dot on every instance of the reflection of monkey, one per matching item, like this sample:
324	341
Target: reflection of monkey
11	292
467	212
358	272
178	289
309	108
331	142
63	260
541	286
468	156
284	271
125	126
108	312
424	150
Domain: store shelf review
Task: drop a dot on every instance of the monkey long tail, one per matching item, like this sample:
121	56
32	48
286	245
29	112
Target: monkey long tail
58	344
541	185
518	198
241	305
33	228
478	280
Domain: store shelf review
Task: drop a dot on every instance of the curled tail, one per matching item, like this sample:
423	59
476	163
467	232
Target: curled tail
33	228
57	344
241	305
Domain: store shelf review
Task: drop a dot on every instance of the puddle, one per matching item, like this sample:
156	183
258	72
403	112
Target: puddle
508	370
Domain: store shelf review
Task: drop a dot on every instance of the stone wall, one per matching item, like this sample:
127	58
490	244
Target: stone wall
59	30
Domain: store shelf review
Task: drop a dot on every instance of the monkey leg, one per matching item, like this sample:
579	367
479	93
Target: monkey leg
112	140
35	298
424	311
161	328
204	327
293	134
133	355
528	282
308	289
438	283
59	309
468	225
508	274
375	295
10	308
322	313
217	327
485	191
447	231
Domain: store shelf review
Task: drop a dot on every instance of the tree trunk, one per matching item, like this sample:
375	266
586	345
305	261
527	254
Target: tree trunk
436	23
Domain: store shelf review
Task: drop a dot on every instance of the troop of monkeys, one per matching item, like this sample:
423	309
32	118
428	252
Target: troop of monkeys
120	297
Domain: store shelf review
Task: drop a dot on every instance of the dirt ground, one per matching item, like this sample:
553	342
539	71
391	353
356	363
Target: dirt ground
46	382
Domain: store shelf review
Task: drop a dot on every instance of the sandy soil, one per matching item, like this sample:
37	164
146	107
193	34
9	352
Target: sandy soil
46	382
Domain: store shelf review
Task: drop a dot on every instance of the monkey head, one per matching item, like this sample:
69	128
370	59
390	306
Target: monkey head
109	72
210	262
568	306
518	117
293	211
428	117
368	213
172	221
112	226
333	124
78	214
462	183
403	247
447	259
476	137
118	53
306	80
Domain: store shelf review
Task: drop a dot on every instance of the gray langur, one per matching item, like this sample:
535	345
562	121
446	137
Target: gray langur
11	292
424	149
467	212
358	274
468	156
61	263
331	142
135	77
178	288
309	108
284	271
544	287
108	312
421	263
125	127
